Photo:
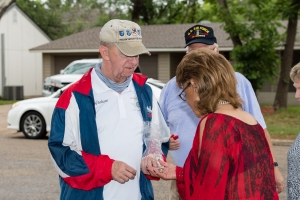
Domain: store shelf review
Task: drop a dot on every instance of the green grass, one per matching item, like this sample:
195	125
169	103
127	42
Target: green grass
281	124
5	102
284	124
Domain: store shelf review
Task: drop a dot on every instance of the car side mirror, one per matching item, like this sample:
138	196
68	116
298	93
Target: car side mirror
61	71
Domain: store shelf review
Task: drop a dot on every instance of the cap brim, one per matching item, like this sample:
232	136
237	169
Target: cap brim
132	48
200	40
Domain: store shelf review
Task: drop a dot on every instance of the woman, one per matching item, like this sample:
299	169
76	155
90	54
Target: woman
293	180
230	157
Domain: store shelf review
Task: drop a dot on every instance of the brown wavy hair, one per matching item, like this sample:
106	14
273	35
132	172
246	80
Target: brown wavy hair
214	78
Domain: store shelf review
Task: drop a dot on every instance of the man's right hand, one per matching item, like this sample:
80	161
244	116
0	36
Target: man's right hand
121	172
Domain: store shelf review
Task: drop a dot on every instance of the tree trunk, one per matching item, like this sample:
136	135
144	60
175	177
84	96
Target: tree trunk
228	22
136	12
284	79
189	5
4	4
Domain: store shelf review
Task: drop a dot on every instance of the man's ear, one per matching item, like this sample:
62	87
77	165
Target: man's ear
104	52
216	48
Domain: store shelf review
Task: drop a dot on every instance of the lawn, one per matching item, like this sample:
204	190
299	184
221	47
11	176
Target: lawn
283	124
5	102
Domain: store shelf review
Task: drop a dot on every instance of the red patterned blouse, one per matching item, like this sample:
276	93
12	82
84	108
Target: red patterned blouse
235	162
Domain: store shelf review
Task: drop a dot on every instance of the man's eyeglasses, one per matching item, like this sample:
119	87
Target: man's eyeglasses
182	94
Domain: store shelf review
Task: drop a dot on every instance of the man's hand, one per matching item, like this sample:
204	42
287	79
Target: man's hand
147	162
279	180
174	143
121	172
168	171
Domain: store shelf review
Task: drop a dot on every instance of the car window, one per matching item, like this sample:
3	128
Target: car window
78	68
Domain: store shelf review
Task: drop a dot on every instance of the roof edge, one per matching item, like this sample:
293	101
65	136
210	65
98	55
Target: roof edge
28	18
152	50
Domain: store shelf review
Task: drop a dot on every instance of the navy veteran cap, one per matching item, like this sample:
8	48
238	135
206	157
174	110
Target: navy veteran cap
200	34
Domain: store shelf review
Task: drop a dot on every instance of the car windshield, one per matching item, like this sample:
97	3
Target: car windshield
78	68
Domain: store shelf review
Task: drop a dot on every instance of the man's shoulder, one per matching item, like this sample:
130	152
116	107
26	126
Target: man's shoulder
171	83
238	75
240	78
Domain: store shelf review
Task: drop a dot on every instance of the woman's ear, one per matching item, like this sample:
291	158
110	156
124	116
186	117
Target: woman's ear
192	81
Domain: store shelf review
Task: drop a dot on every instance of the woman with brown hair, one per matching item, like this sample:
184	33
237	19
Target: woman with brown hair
230	157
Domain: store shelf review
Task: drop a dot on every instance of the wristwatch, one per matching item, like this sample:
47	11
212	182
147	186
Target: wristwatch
275	164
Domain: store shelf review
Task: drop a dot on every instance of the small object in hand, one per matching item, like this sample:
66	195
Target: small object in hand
161	169
157	158
175	137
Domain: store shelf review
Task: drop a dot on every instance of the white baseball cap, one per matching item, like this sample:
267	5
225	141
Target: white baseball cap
126	35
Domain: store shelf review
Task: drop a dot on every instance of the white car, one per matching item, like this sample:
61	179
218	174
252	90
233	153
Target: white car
33	116
73	72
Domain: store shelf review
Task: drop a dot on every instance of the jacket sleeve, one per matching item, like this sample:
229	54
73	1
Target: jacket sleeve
81	170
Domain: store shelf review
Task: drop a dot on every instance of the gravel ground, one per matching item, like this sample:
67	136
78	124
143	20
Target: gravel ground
26	172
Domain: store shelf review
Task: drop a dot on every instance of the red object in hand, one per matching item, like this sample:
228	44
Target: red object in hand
175	137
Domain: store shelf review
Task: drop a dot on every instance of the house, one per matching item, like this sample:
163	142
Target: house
19	66
166	44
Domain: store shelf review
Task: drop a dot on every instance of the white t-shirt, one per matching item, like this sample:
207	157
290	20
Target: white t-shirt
120	125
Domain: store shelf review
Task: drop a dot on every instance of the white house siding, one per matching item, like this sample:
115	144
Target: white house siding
22	67
164	67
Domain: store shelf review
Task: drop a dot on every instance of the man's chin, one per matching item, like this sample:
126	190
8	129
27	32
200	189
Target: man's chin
128	72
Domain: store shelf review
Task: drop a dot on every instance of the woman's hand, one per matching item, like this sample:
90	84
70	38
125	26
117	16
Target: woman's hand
167	171
149	162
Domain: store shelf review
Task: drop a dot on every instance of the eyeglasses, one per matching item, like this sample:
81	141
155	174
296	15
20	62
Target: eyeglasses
182	94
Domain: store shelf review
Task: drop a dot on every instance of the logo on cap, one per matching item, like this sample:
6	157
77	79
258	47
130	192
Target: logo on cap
199	34
133	32
198	31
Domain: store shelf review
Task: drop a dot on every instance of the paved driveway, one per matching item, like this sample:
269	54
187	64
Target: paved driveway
26	172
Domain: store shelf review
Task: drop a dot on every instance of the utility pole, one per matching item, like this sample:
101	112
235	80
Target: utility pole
2	64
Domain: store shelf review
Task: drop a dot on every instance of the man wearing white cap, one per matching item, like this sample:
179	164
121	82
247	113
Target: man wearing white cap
96	140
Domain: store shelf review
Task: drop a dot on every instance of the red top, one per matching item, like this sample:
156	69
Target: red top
235	163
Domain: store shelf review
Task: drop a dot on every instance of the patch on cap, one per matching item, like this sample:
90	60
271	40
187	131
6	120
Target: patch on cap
200	34
126	35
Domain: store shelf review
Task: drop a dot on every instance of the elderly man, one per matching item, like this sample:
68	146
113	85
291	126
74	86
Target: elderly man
96	140
180	117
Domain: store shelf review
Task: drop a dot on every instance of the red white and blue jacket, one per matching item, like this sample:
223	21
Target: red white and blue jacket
84	173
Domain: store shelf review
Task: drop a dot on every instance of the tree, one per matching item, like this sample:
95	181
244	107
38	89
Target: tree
252	27
137	6
50	22
283	83
4	4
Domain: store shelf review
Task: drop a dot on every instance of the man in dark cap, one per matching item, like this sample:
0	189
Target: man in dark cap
181	119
